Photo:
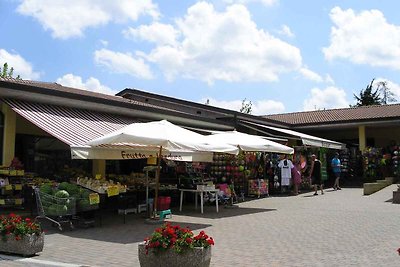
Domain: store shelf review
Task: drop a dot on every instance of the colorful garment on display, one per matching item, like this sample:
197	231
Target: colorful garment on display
286	166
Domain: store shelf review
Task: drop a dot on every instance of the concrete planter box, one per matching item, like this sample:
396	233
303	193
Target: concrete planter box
370	188
29	245
396	197
197	257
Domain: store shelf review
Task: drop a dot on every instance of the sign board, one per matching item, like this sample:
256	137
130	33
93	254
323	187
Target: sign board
112	190
18	187
94	198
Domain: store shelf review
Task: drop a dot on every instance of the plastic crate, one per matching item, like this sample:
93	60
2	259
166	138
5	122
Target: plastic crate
163	203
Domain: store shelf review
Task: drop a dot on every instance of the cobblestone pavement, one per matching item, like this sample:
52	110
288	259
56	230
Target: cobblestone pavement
339	228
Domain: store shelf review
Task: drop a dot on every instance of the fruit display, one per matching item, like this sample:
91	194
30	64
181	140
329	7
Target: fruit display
66	199
100	186
56	202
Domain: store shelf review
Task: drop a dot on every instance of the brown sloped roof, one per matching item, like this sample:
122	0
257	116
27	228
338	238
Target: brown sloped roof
55	87
376	112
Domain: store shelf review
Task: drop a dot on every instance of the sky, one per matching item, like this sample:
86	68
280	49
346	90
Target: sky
282	55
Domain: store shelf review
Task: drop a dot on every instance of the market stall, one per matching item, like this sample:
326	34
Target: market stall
247	171
161	138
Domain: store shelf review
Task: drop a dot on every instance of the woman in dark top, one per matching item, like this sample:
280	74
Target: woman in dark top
315	174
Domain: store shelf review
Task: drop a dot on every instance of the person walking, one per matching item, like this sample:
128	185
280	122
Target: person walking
336	168
296	177
315	174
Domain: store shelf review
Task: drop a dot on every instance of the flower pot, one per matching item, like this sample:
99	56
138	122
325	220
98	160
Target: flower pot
396	197
196	257
29	245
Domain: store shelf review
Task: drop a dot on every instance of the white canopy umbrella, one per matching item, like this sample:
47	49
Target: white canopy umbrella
162	136
248	142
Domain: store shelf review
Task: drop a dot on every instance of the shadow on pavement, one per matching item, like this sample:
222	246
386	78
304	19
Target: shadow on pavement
113	229
224	212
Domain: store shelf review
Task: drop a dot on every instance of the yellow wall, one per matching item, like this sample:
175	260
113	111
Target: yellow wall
9	134
362	138
99	167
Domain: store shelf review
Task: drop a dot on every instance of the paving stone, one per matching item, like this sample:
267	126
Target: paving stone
339	228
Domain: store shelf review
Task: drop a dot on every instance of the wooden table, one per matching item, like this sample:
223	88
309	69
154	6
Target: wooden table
201	192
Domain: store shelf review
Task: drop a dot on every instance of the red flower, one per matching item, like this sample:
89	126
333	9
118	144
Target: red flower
210	241
27	220
188	240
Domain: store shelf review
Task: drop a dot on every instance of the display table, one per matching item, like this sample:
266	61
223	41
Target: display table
201	192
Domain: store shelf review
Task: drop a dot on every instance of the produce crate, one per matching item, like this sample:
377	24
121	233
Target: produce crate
84	204
55	206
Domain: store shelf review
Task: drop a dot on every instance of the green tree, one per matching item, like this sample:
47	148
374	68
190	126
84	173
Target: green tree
368	97
246	107
387	94
8	73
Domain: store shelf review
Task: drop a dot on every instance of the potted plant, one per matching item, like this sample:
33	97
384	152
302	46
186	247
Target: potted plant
396	195
20	236
172	245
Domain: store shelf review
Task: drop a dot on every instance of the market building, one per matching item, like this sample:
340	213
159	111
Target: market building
45	128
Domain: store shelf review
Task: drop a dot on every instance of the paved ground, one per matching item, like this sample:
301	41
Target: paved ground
339	228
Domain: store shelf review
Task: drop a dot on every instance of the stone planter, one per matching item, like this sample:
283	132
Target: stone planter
396	197
29	245
197	257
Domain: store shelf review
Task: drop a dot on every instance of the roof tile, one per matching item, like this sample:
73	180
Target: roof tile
339	115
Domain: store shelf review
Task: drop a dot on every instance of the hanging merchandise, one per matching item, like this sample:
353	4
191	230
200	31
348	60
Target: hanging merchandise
245	172
372	162
324	163
396	161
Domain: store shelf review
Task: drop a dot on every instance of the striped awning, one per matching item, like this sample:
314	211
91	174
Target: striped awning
76	127
72	126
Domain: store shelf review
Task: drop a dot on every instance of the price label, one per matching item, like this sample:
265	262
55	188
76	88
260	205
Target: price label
112	190
18	201
9	187
94	198
18	187
98	176
20	172
13	172
4	172
2	202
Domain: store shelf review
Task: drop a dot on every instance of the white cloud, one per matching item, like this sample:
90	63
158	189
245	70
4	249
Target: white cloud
123	63
20	65
364	38
244	2
260	107
104	43
224	46
91	84
329	79
285	31
311	75
69	18
328	98
161	34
